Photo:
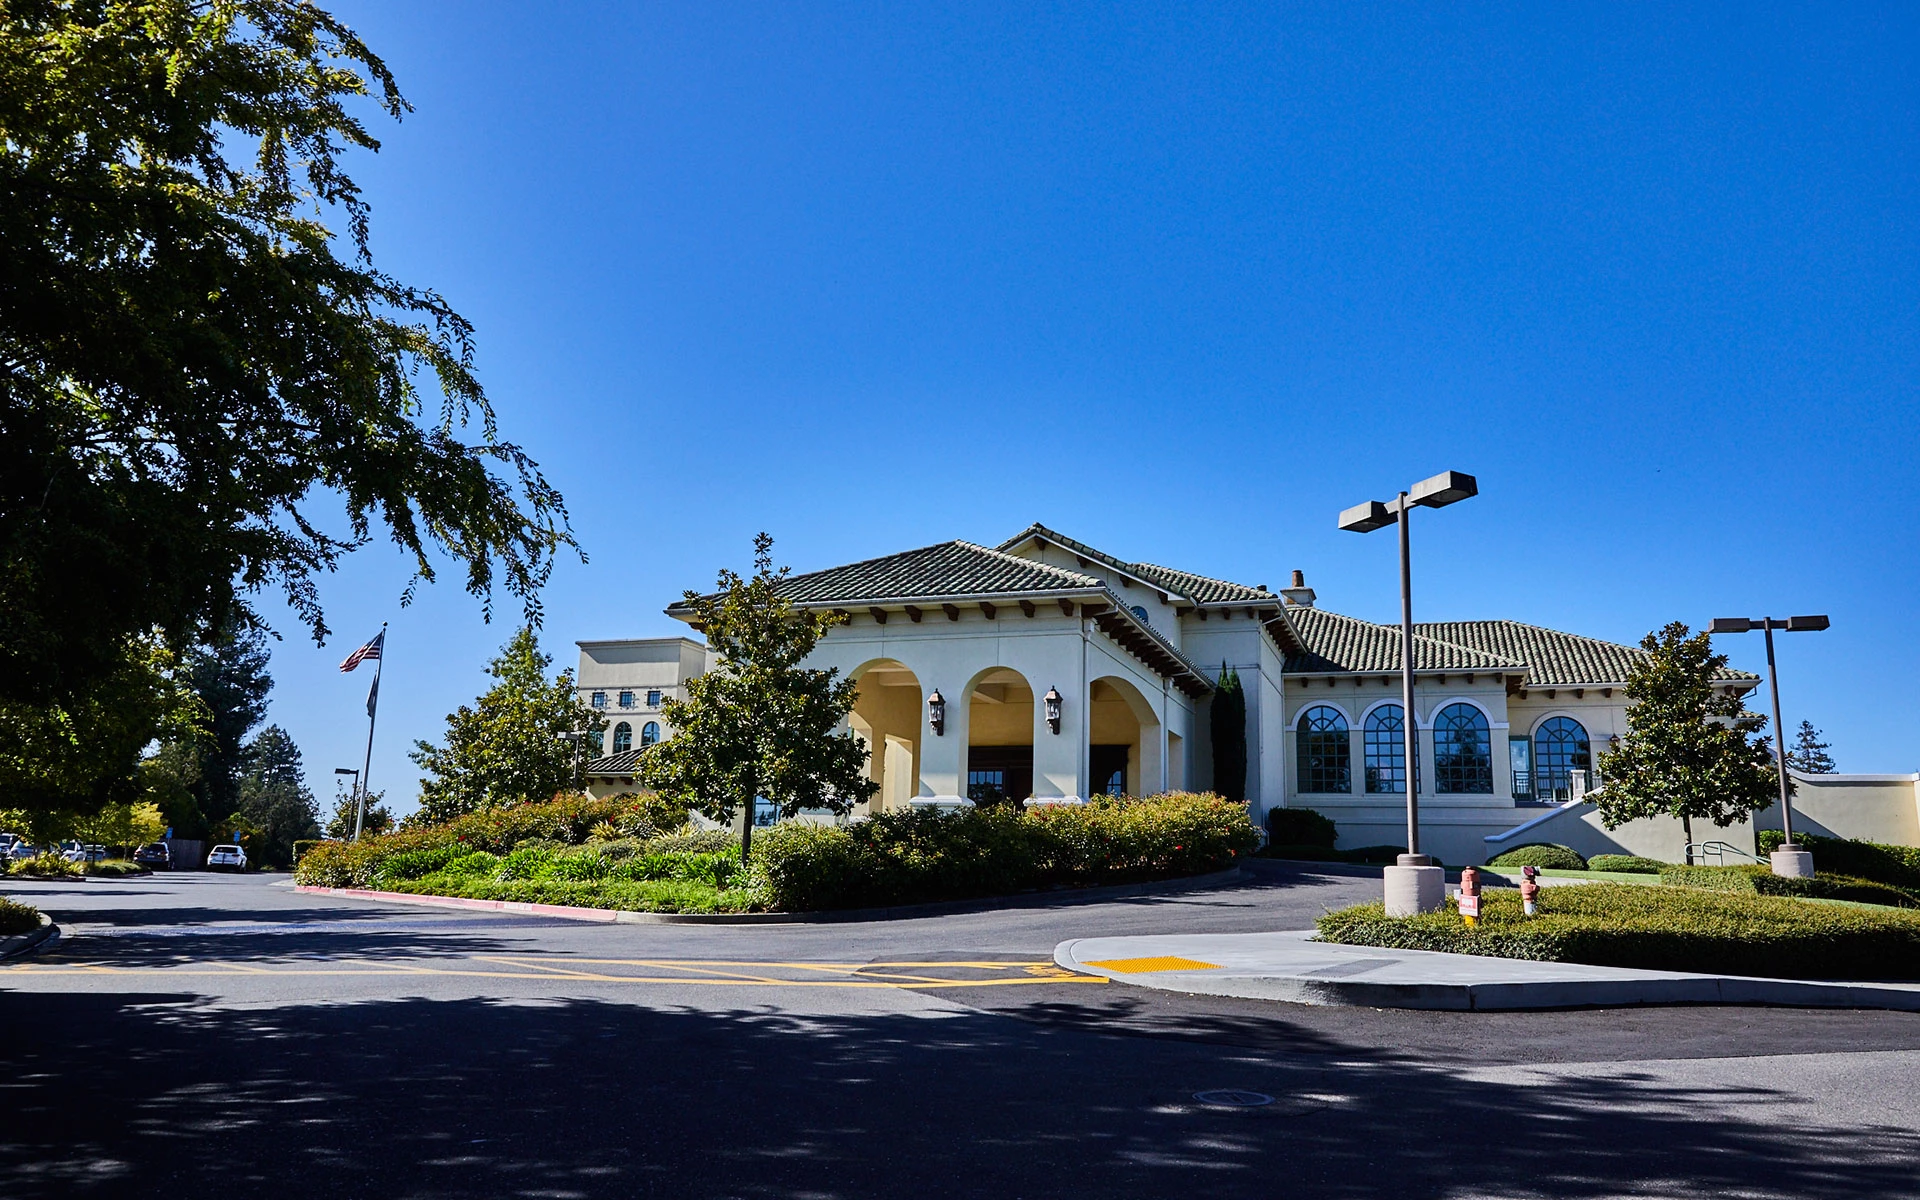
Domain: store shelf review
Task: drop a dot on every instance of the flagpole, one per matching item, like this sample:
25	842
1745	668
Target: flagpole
360	814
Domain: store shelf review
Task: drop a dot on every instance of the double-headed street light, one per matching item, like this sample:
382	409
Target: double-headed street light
358	802
1789	859
1413	885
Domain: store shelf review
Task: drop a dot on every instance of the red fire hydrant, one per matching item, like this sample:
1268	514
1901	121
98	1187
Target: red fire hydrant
1530	889
1470	895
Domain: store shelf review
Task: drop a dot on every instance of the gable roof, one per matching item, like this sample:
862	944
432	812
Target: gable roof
1337	643
946	570
624	763
1184	585
1553	658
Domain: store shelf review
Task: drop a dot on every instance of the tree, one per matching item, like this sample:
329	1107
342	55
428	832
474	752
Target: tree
520	741
377	820
229	675
1808	754
195	366
274	800
122	825
759	725
1227	723
1689	750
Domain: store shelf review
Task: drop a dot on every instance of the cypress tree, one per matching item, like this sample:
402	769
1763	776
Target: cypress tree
1228	726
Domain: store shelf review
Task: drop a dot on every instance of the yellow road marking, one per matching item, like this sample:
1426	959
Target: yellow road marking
1142	966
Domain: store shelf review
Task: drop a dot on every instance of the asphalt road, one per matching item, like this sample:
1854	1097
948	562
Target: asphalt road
199	1034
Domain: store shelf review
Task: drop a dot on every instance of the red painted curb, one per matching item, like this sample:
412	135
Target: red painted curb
571	912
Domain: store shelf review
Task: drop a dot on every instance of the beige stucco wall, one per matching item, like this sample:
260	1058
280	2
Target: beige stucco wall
638	665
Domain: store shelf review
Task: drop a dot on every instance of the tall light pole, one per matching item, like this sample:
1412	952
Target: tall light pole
1790	859
1413	885
353	771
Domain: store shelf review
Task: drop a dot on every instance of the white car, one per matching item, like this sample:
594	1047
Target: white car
232	858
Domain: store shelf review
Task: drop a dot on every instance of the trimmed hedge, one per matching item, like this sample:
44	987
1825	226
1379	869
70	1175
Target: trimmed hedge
1294	827
1658	928
1760	881
1542	854
17	918
1878	861
1631	863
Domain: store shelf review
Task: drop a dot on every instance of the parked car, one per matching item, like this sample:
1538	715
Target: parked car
227	857
155	856
76	852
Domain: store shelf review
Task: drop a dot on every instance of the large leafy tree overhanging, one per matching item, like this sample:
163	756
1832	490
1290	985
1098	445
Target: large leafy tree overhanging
1689	752
194	370
760	725
522	740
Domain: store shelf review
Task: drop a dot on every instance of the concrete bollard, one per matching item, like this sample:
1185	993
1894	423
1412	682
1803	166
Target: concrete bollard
1414	886
1791	862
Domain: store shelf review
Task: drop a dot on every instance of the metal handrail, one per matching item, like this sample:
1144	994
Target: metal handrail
1718	850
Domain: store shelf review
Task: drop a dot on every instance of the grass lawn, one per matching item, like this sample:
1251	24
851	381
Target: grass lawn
1660	928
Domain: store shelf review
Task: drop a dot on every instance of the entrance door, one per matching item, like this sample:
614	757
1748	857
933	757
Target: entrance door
999	774
1108	767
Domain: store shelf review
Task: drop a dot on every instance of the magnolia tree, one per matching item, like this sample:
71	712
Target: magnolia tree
759	725
1690	749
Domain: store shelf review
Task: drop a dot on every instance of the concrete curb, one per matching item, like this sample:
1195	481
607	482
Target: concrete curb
27	943
1603	987
902	912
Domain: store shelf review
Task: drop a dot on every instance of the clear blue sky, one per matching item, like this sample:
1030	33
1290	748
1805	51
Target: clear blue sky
1182	283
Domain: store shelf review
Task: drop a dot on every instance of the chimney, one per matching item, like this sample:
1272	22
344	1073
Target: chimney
1299	595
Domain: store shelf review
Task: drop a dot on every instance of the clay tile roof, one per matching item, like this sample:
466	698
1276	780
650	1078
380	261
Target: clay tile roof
1336	643
624	763
1553	659
1185	585
949	569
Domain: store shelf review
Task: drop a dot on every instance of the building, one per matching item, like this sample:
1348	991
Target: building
1046	670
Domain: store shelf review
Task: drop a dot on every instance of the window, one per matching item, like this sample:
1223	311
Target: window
653	697
1141	612
599	699
987	787
1326	754
1462	751
1560	747
622	738
1386	751
626	699
650	733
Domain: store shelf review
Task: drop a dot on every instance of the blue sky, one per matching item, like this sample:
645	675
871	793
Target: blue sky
1182	283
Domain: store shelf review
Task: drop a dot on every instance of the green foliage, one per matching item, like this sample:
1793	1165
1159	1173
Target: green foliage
197	366
46	865
1688	752
1227	725
115	868
1808	754
1542	854
759	724
229	675
274	799
520	742
1631	864
378	818
1878	861
302	845
1658	928
911	856
1300	827
1757	880
17	918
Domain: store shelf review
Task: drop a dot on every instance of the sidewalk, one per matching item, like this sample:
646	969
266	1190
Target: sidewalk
1290	967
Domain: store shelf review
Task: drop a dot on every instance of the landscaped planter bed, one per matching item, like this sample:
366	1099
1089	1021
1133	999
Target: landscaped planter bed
1660	928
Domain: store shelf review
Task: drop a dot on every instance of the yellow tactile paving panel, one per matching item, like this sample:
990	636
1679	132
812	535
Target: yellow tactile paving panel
1146	966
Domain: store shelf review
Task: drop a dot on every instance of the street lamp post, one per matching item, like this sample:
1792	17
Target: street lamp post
1790	859
1413	884
353	771
577	737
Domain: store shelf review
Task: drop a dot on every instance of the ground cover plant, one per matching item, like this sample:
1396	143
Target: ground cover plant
1659	928
1632	864
1756	880
1542	854
1878	861
47	864
16	918
115	868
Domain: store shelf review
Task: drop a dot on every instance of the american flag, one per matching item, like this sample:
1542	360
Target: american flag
370	650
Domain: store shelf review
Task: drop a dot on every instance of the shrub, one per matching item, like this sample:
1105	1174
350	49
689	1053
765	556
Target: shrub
114	868
1629	863
47	865
1300	827
17	918
1878	861
1659	928
302	845
1549	855
1759	881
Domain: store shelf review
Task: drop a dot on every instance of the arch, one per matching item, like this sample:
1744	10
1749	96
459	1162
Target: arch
1123	738
888	714
1449	702
622	738
1462	750
650	733
1384	749
1560	747
1323	750
1000	710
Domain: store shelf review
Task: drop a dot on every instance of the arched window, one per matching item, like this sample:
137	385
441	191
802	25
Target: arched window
1140	611
650	733
1462	751
1325	753
1386	751
1560	747
622	738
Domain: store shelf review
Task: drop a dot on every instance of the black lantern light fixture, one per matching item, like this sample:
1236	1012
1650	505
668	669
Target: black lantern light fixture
937	713
1053	709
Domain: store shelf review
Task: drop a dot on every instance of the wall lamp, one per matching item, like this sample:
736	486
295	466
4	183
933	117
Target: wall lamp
937	713
1053	709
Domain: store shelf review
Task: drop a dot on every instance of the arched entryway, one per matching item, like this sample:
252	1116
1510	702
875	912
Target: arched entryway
887	716
1123	751
999	737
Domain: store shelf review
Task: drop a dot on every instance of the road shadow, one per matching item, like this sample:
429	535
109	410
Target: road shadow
184	936
155	1094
